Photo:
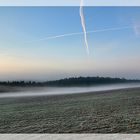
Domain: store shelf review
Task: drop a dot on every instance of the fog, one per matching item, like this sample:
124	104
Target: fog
47	91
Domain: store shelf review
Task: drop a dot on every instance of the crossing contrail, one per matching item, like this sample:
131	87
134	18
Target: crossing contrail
81	33
84	25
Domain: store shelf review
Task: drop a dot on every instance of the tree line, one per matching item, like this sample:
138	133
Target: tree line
74	81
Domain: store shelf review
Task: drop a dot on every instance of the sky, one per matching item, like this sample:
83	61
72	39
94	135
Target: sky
27	54
69	2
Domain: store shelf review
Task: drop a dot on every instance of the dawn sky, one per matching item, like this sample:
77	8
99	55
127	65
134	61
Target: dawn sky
25	56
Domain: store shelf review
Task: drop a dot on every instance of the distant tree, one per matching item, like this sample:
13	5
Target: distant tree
74	81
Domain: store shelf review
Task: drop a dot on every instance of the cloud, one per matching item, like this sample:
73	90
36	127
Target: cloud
137	30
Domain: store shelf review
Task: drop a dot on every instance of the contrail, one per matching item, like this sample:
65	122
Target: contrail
81	33
84	25
57	36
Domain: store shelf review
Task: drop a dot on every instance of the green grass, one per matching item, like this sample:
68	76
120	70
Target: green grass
102	112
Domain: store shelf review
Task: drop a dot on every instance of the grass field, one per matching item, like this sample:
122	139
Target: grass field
116	111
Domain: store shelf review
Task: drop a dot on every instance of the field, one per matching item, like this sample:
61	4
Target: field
116	111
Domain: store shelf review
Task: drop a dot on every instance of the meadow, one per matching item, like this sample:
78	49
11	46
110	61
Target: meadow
114	111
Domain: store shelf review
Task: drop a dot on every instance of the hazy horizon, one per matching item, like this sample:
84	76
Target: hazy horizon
63	78
27	52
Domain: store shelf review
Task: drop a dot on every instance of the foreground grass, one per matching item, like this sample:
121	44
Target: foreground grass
115	111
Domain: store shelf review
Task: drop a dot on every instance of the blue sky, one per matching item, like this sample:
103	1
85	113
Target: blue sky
112	53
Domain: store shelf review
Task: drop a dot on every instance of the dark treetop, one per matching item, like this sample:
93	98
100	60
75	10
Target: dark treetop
75	81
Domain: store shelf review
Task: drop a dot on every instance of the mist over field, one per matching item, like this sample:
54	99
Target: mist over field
49	91
109	111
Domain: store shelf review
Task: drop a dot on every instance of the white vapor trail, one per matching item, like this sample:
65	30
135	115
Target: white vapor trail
84	25
81	33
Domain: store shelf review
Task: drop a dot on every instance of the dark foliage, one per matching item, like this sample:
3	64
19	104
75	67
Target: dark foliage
75	81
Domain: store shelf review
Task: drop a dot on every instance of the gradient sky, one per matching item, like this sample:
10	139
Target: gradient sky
112	53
